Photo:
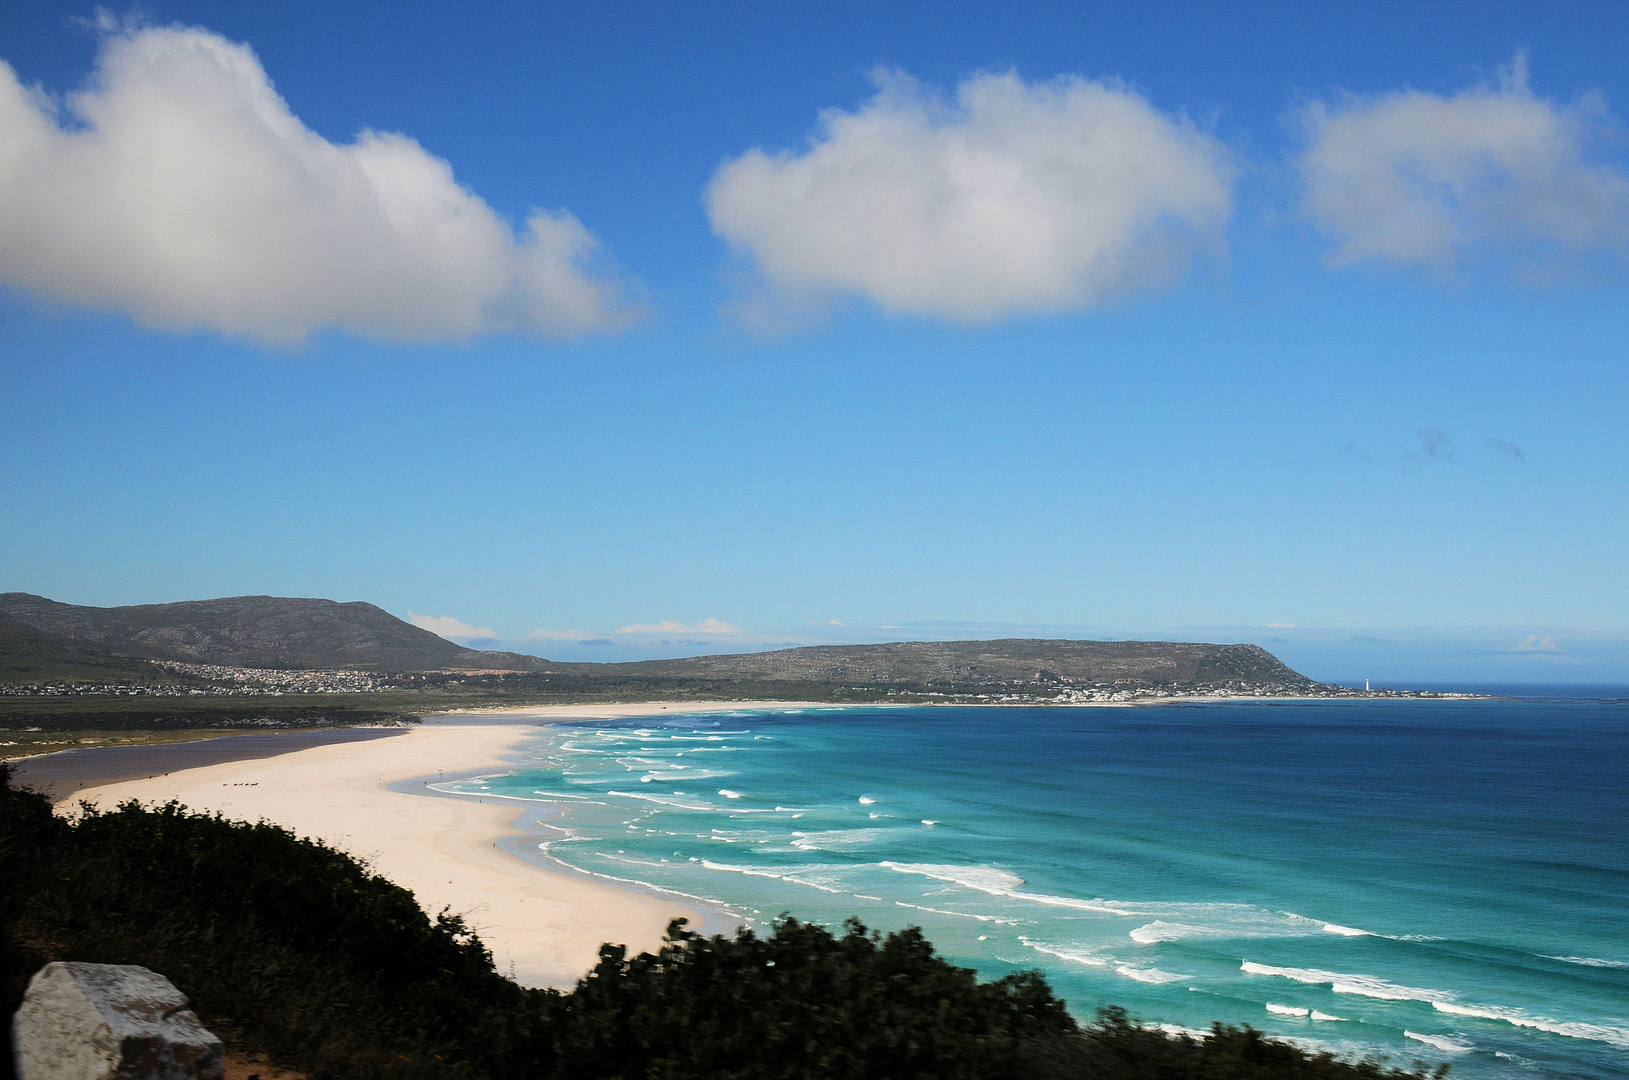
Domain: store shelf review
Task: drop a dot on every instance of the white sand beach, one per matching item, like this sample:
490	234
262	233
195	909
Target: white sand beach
544	927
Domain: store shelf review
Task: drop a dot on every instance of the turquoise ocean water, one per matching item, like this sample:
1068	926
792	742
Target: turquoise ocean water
1436	881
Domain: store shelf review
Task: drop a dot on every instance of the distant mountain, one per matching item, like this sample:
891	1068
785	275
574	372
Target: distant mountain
42	639
239	631
964	666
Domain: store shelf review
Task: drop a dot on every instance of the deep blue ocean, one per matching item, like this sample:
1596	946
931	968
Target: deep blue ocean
1428	880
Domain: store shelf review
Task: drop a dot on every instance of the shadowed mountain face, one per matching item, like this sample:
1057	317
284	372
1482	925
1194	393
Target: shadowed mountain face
29	654
990	663
251	631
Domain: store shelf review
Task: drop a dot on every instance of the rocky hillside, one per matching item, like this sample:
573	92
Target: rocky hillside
41	639
247	631
973	666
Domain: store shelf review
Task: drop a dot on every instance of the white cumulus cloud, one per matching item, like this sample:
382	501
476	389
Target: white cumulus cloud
1016	197
706	626
448	627
179	187
1424	179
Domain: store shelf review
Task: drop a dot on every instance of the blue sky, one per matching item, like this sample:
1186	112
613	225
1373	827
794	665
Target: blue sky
719	326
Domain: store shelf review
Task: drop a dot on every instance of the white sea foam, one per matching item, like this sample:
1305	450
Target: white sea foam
1316	1015
453	789
1444	1043
986	879
1286	1010
834	838
1076	955
1443	1001
1345	931
830	881
1149	974
943	911
1180	1031
1240	920
1183	921
1160	930
808	876
728	794
1102	907
662	800
689	774
747	870
1613	1036
1342	983
1588	961
866	800
929	821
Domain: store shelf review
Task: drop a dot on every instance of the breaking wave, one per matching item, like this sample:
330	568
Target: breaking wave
1149	974
1441	1042
1588	961
1445	1002
1613	1036
1341	983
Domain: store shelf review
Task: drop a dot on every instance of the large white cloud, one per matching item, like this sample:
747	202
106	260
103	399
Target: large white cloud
181	189
1424	179
1017	197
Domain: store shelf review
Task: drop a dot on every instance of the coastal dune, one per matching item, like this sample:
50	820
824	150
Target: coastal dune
544	927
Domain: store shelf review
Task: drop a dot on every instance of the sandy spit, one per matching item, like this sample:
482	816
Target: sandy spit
544	927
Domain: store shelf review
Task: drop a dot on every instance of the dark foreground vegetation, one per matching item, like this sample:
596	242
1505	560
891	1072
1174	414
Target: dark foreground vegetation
65	715
293	951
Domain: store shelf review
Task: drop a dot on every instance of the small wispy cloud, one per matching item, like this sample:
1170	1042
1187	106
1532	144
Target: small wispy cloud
1532	643
448	627
1281	625
1435	443
671	626
540	634
1352	450
1505	448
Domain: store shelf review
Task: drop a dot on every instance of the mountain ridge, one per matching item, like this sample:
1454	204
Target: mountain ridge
984	664
39	635
293	633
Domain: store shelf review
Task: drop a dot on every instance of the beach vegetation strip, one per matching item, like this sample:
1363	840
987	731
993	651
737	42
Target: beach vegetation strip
295	952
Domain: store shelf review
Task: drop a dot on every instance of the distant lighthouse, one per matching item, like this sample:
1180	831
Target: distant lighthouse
1365	686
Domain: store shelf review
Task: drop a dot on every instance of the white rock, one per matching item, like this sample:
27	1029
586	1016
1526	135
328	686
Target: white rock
110	1022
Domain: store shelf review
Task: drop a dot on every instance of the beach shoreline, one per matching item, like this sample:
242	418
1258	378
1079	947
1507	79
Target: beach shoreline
543	920
543	923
